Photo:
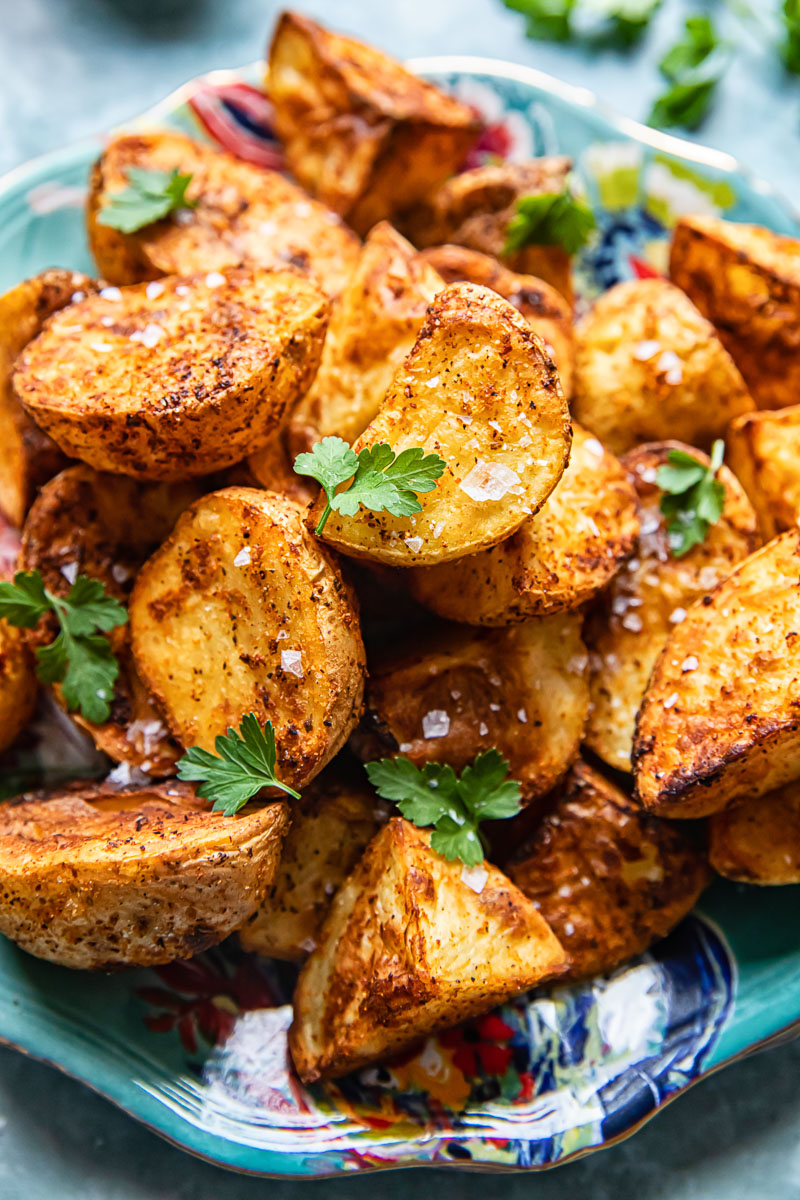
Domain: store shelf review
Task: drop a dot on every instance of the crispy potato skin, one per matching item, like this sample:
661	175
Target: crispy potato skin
757	840
648	366
361	132
272	468
730	727
522	689
544	308
473	209
219	361
746	281
374	324
608	879
478	390
29	457
18	685
242	213
277	635
763	451
99	878
408	948
331	825
626	631
560	558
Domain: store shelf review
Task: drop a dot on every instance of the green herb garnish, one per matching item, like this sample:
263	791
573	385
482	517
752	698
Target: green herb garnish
549	219
693	67
790	46
693	497
243	765
608	22
149	196
549	20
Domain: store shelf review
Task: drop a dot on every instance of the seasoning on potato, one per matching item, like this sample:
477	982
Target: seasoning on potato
757	839
763	451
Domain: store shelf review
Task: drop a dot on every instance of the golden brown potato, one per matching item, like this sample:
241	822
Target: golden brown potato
757	840
412	944
242	213
556	561
18	686
272	468
627	630
172	379
648	366
763	450
478	390
242	611
28	457
474	209
360	132
374	324
545	309
609	879
746	280
97	878
522	689
721	715
331	825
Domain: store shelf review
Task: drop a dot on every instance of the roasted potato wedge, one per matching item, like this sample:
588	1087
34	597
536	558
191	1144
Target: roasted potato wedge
763	450
272	468
413	943
218	362
474	209
557	560
241	213
746	281
648	366
626	631
721	715
361	132
242	611
522	689
757	840
29	457
374	324
478	390
18	686
331	825
545	309
97	878
608	879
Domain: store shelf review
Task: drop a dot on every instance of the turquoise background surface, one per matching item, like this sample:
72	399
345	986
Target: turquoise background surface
71	67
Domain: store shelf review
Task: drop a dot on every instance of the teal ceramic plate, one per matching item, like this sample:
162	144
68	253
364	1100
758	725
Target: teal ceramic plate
197	1051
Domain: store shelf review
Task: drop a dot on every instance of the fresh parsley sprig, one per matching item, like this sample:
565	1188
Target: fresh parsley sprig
243	765
149	196
382	480
80	658
549	219
454	805
693	498
790	46
605	22
693	68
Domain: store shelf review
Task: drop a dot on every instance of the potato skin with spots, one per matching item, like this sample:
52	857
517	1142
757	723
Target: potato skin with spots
626	629
763	451
97	878
757	840
558	560
275	633
608	879
218	360
409	948
731	726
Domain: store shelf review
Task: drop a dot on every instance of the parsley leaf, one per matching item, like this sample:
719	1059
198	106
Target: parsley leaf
790	47
434	795
693	67
549	219
80	658
243	765
382	481
603	22
693	497
545	19
149	196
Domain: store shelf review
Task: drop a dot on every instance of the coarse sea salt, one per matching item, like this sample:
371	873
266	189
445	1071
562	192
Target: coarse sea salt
243	557
677	615
292	662
119	573
111	293
214	279
689	664
435	724
671	701
150	336
414	544
154	289
645	350
522	716
483	729
489	481
475	878
593	447
70	571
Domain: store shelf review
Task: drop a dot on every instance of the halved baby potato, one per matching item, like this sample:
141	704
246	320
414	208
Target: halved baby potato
374	324
757	840
763	450
412	944
242	213
649	366
478	390
175	378
608	879
560	558
242	611
721	715
97	878
522	689
626	631
361	132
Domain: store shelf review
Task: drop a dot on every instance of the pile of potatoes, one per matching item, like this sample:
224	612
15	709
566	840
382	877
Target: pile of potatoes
534	604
